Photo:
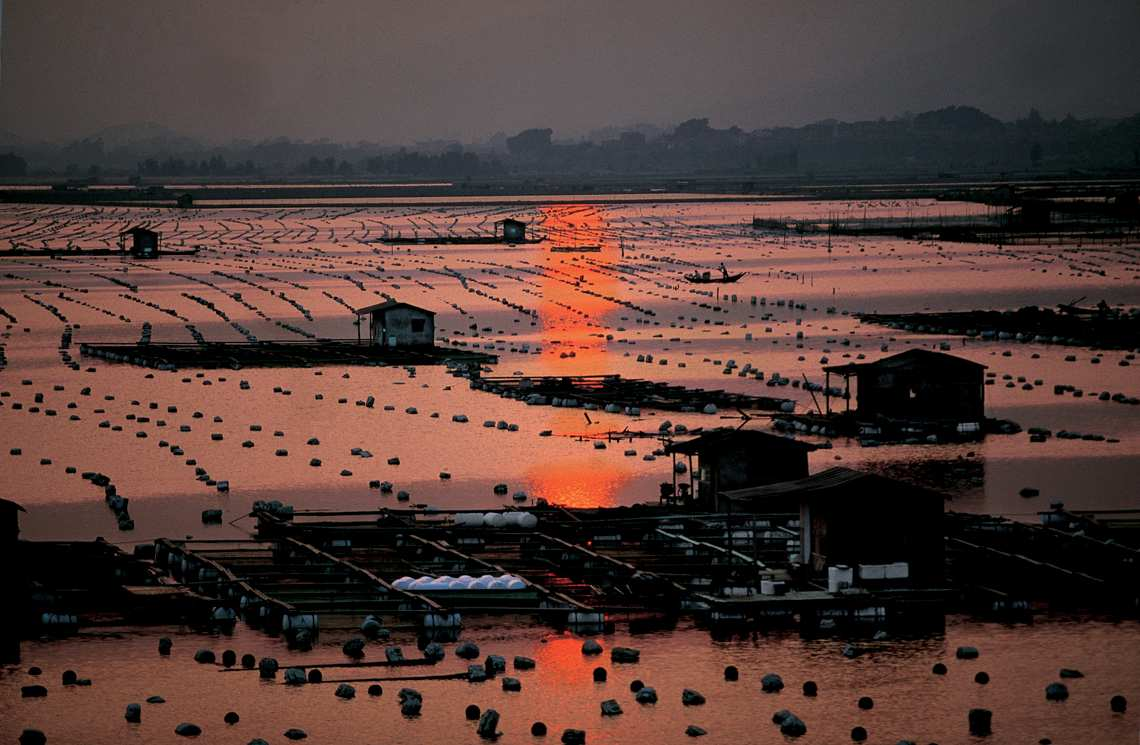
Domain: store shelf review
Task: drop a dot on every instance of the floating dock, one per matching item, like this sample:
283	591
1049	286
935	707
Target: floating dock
615	394
94	583
1112	330
998	229
1012	562
57	253
873	431
455	240
308	353
282	584
584	568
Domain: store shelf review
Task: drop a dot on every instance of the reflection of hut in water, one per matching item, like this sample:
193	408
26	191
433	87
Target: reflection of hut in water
144	242
883	529
510	230
396	324
730	459
915	385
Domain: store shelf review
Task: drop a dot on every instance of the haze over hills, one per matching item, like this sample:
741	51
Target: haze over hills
360	89
943	141
397	72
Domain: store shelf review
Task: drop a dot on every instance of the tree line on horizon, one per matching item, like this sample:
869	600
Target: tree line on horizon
948	141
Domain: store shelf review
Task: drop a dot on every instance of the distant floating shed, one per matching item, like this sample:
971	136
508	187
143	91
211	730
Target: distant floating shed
510	230
396	324
144	242
917	384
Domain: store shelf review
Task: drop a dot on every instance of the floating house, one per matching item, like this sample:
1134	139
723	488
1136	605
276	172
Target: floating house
915	385
510	230
185	200
396	324
878	528
729	459
143	242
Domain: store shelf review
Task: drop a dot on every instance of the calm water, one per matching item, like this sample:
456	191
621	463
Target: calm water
290	265
587	313
910	702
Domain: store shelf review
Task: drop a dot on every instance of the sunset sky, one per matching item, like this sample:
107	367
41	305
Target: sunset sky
408	70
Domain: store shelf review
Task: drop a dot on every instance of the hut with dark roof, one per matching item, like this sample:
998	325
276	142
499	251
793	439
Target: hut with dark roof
510	230
144	242
396	324
730	459
917	384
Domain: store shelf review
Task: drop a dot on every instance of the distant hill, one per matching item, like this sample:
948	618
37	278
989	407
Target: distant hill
946	141
961	118
142	134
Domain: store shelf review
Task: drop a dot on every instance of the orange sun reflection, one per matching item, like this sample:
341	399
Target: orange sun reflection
570	320
569	317
589	480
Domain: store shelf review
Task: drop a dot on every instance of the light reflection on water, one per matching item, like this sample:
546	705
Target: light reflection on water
662	242
910	702
289	244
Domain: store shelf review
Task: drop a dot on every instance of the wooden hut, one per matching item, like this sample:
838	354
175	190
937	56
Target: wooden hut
396	324
853	518
510	230
730	459
144	242
917	384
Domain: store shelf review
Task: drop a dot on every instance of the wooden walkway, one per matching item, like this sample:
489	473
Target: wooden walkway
273	582
627	561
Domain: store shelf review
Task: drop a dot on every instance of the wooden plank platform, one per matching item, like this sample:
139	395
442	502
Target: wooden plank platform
307	353
604	390
596	561
454	240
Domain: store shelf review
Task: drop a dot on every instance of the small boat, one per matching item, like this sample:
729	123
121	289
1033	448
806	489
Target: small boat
704	278
1102	309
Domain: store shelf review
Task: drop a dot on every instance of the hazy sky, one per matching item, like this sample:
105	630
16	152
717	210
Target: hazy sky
401	71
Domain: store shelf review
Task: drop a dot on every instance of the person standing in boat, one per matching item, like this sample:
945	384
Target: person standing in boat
724	270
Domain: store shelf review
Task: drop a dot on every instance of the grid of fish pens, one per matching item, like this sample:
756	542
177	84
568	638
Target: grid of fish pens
572	567
289	587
